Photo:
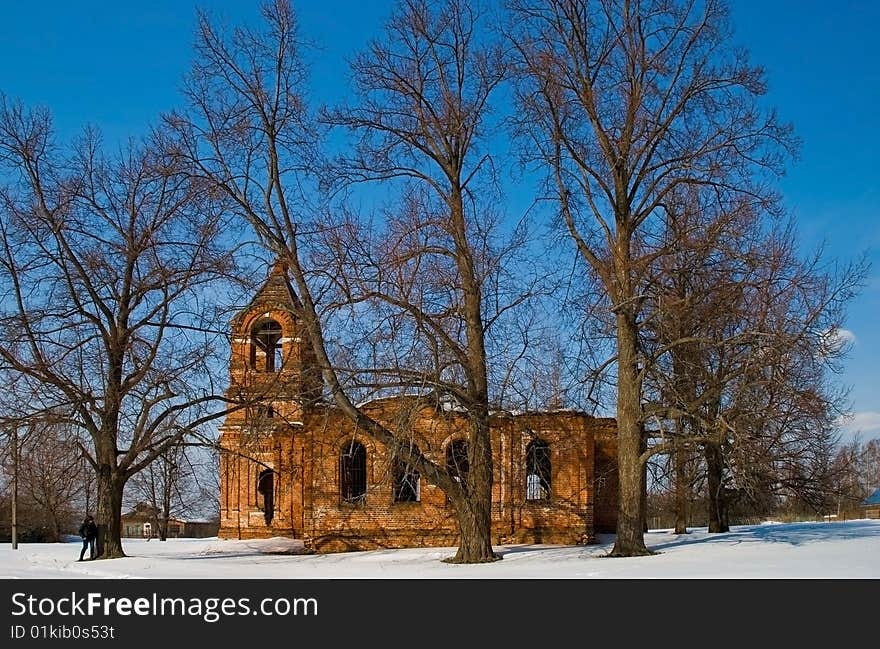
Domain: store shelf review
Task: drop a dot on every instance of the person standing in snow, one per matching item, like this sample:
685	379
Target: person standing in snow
88	532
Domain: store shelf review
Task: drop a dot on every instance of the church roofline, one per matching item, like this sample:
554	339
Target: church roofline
429	399
275	292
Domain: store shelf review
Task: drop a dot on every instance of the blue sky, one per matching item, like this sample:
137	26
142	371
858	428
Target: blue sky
118	65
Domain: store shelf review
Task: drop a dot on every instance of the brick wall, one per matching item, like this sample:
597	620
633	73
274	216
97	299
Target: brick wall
307	500
282	456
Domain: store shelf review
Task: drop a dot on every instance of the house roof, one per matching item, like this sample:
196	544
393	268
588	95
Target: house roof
873	499
145	513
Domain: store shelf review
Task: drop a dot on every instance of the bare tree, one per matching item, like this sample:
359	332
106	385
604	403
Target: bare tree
422	100
855	475
102	264
421	113
626	102
169	486
738	329
49	473
206	472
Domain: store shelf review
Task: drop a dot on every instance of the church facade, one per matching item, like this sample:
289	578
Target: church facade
292	465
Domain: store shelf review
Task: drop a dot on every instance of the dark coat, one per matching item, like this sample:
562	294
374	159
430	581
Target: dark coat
88	529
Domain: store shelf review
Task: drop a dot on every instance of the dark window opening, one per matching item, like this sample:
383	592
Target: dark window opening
457	460
265	412
538	470
406	482
266	347
353	472
266	491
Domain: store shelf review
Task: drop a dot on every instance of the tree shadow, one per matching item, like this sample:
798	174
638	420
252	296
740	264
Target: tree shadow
790	533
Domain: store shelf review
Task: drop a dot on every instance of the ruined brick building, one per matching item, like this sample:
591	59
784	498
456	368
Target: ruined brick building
295	466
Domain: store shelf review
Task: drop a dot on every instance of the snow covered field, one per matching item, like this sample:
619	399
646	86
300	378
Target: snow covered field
836	550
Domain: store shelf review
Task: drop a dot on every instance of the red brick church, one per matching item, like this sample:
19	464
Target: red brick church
294	466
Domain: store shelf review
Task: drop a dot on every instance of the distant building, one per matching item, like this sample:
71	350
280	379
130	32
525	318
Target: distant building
871	505
141	523
295	466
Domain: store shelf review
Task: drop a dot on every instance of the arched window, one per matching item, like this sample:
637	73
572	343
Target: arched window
537	470
265	412
266	346
405	482
457	460
353	472
266	494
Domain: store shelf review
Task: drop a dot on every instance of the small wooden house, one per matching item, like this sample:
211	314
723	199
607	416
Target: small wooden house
142	523
871	505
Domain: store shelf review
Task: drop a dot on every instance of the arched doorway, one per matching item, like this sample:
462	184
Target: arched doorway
266	494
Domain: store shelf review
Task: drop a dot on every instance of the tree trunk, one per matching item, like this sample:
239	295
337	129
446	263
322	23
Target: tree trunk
55	532
168	480
475	532
474	512
109	513
475	523
681	495
161	523
643	507
714	479
630	540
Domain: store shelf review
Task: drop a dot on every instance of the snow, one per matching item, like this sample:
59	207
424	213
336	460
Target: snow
806	550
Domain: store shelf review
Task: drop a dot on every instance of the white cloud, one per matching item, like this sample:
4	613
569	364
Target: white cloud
845	335
865	425
836	340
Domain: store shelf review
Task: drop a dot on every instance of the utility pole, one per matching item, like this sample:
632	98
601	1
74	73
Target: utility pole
15	487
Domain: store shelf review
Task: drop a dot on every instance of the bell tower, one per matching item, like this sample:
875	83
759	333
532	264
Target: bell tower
272	359
273	382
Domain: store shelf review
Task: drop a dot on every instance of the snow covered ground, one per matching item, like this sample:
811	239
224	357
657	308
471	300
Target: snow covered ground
834	550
